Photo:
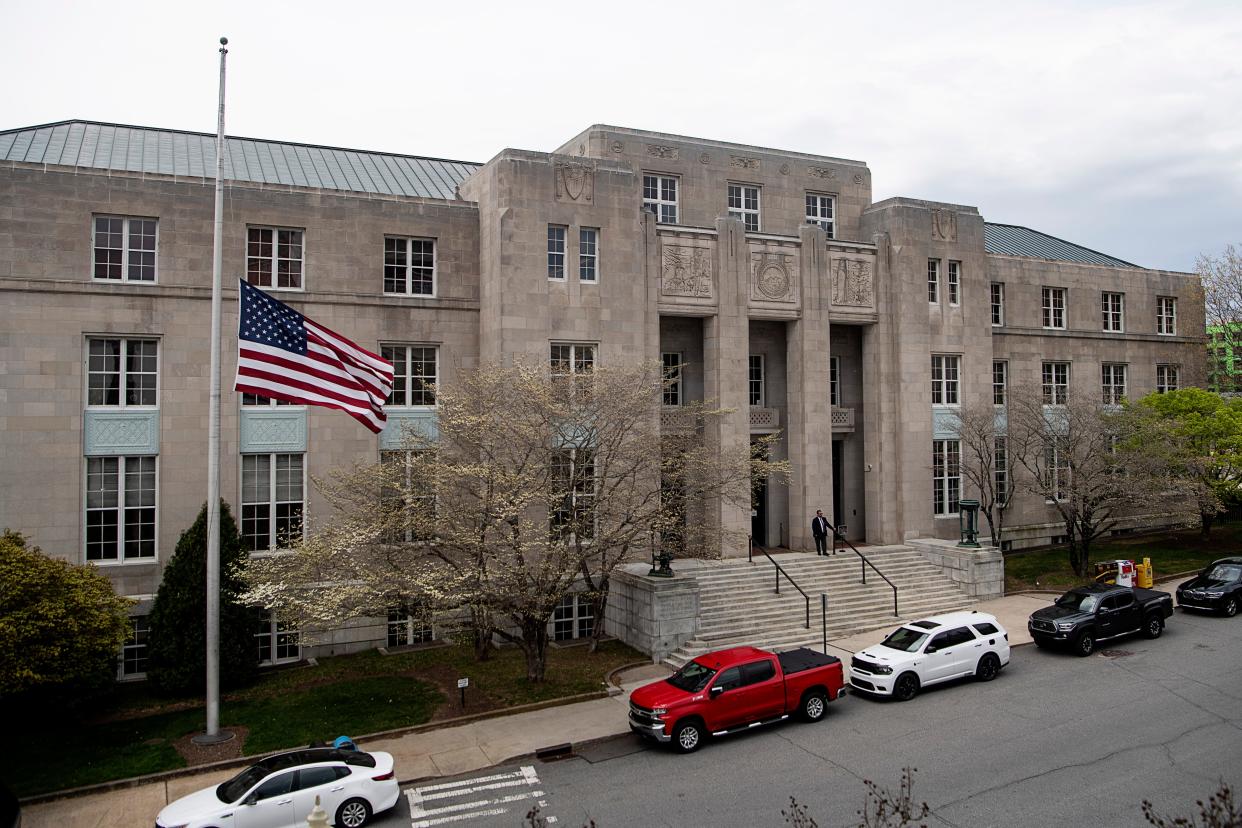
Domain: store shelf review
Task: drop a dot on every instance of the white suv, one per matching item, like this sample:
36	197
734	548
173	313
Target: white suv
936	649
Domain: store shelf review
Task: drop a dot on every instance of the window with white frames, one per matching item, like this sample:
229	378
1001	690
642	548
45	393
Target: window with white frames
1112	312
120	509
1000	381
821	210
414	370
408	624
1055	377
122	372
588	254
998	304
416	494
933	280
260	401
134	650
755	380
672	377
744	205
278	641
274	257
1056	466
409	266
571	366
946	476
1000	468
660	197
953	281
834	381
1166	378
1053	307
556	252
124	248
574	484
1113	382
945	377
1166	315
273	499
572	618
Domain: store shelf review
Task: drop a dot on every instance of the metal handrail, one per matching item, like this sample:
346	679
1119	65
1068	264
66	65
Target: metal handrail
750	556
863	564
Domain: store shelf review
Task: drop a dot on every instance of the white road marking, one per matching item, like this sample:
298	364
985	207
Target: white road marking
425	817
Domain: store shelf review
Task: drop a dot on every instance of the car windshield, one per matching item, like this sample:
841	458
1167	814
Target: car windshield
1225	572
1079	601
905	639
692	678
237	787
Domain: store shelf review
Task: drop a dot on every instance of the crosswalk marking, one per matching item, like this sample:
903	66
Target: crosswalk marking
420	798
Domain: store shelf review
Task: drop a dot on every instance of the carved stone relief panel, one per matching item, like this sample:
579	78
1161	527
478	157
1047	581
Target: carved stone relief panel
575	182
944	225
662	151
821	172
686	271
744	163
853	282
773	277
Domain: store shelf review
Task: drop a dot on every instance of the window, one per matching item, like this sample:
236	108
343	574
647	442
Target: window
1056	383
821	210
834	381
1054	307
260	401
672	378
556	252
572	366
314	777
276	786
120	509
1113	382
660	197
588	254
1058	470
945	379
574	483
413	374
744	205
122	372
730	679
410	266
998	304
933	280
125	248
1000	468
946	476
134	650
277	640
986	629
1166	378
757	672
1000	381
572	618
1166	315
274	258
408	625
273	497
1112	311
953	281
418	496
755	380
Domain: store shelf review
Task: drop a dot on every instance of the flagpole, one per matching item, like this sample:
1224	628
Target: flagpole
213	734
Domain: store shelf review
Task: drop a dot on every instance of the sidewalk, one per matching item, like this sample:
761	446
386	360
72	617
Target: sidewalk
463	748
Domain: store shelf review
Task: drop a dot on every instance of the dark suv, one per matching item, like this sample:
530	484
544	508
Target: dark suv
1218	588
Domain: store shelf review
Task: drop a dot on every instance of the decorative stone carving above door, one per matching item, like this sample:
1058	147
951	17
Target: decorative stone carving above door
853	283
686	271
773	277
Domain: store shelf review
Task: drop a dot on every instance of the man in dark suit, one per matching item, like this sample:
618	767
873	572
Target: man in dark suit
819	528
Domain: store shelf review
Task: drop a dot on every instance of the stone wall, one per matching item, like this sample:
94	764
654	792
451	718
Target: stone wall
980	573
654	615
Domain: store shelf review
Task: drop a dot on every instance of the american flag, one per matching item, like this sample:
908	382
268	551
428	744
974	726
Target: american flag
285	356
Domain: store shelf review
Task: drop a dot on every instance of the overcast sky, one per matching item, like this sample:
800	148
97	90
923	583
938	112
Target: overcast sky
1116	125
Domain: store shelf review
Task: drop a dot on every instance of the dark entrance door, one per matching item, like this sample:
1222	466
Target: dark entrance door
838	512
759	510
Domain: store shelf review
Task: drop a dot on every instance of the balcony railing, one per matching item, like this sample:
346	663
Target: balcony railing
764	419
842	419
677	420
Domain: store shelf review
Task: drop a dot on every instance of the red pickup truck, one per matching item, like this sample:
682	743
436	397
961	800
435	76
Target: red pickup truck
731	690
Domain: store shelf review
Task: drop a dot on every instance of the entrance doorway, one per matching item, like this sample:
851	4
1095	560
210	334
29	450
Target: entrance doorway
759	507
838	451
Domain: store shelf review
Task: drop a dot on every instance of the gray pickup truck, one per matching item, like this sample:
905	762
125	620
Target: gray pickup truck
1086	615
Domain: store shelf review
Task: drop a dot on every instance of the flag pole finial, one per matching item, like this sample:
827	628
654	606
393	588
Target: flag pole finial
224	41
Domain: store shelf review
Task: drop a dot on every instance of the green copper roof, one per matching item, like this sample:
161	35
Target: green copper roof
1012	240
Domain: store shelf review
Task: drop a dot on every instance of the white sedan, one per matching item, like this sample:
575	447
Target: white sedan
930	651
280	791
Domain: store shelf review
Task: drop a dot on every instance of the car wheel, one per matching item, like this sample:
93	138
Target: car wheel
1085	645
1153	626
989	667
906	688
814	706
1230	609
687	737
353	813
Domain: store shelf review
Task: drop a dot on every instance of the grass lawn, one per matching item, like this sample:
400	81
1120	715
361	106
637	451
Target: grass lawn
134	732
1170	553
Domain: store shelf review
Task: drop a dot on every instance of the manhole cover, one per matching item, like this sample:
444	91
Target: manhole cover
1115	653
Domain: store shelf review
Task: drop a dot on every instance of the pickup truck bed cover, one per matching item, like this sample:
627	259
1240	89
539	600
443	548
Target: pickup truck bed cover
795	661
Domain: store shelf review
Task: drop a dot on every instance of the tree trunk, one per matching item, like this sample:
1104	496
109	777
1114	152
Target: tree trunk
1206	519
535	646
481	632
599	605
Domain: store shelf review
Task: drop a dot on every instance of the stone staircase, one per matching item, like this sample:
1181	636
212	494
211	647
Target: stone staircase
738	605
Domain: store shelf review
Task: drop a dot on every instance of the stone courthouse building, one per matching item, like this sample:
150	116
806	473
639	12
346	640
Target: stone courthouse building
765	279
